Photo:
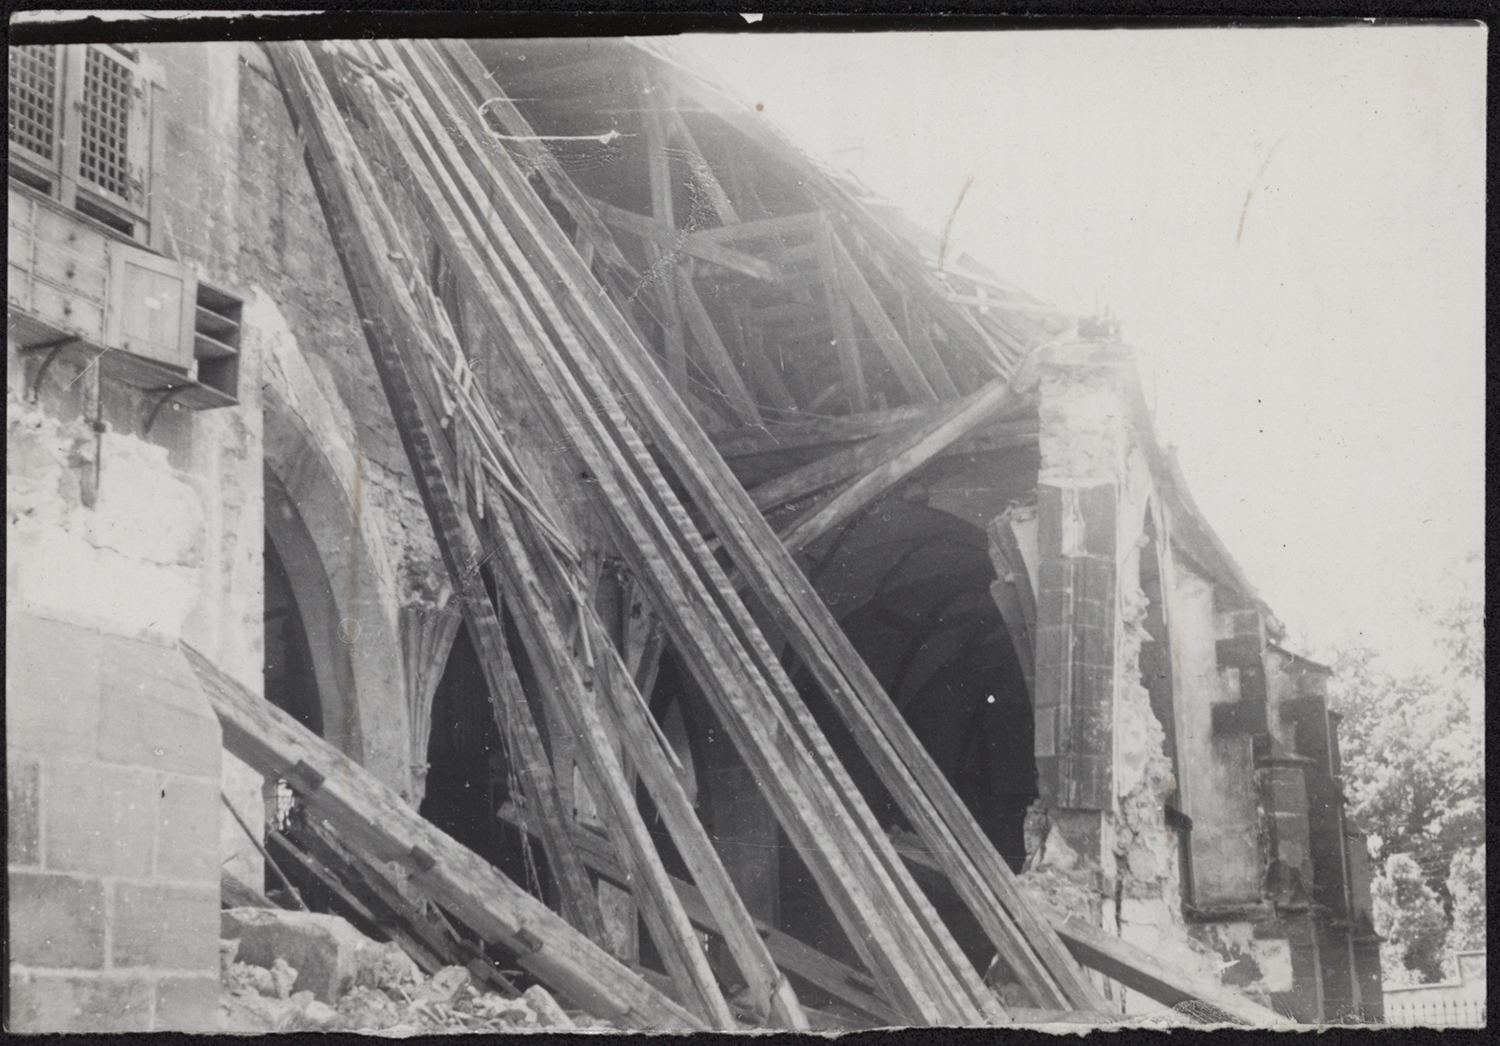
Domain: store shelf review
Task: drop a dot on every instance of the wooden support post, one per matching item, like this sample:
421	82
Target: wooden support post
374	818
916	959
719	363
845	341
838	979
911	452
352	208
925	380
540	626
751	343
675	241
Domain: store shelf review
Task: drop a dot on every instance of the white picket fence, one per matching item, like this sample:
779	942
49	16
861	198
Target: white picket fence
1432	1010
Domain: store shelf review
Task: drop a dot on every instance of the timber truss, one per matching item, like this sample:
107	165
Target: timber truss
739	358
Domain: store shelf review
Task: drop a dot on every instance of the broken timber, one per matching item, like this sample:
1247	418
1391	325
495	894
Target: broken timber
400	340
1117	958
839	980
912	953
924	796
371	816
353	219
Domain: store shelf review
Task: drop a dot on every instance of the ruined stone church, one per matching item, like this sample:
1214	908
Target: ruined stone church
504	493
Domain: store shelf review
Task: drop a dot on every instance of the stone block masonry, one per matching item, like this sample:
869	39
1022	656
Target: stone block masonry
113	753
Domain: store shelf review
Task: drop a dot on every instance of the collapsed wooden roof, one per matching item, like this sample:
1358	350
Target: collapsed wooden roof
738	298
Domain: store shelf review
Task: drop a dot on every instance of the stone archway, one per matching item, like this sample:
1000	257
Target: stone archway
348	609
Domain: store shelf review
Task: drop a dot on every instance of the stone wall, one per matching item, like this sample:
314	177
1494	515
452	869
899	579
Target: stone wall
112	751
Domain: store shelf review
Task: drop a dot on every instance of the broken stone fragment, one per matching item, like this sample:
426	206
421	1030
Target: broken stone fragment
329	955
549	1013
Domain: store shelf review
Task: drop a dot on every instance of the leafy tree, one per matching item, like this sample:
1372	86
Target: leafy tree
1412	742
1410	917
1466	887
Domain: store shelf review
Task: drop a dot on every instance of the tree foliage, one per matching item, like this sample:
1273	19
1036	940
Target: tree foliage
1410	918
1412	746
1466	887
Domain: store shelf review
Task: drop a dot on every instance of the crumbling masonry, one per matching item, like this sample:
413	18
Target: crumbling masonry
619	555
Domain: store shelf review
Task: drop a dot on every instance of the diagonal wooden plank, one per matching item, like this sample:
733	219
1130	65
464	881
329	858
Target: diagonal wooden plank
560	683
385	303
375	819
677	241
921	382
531	222
720	364
910	452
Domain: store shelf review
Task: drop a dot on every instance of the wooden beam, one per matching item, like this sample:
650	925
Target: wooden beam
839	980
1112	956
937	983
863	457
913	450
544	635
845	340
441	946
919	788
752	345
791	225
925	379
719	363
523	140
375	819
359	225
703	172
674	242
486	279
1013	595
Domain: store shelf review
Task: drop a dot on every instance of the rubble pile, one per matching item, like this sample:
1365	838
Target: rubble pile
347	982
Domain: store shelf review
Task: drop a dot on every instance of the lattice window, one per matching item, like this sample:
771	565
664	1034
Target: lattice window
33	99
81	130
104	124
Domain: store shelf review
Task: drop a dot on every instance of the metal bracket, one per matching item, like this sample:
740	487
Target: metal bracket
155	410
53	349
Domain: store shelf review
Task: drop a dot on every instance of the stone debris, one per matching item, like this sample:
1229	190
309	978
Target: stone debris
388	995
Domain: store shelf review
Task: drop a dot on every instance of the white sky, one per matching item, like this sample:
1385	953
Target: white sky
1323	378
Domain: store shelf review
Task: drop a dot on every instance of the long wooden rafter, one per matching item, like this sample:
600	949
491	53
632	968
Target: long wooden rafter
923	794
924	972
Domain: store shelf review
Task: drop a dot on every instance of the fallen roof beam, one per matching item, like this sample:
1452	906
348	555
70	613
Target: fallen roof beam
841	981
1115	957
900	458
372	817
924	376
921	791
886	915
542	628
635	384
357	220
720	364
676	241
